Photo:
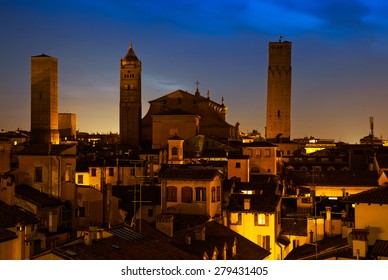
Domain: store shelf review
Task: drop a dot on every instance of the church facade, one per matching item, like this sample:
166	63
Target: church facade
185	115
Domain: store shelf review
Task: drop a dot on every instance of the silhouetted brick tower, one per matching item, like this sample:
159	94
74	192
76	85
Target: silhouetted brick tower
278	122
44	100
130	99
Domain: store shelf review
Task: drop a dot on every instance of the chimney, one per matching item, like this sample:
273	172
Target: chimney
107	198
328	222
188	239
247	204
88	238
165	224
360	242
200	233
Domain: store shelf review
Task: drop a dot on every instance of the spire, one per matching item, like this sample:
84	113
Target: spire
130	57
197	91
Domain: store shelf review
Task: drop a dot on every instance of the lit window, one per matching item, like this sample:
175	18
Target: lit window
261	219
235	218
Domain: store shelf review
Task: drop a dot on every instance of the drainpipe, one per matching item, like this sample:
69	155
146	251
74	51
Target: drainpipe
281	250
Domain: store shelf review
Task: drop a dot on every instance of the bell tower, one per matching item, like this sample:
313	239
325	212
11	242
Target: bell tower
278	121
130	99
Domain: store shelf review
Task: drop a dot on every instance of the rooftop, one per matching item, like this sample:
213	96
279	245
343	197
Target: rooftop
217	236
10	216
36	197
126	244
175	173
378	195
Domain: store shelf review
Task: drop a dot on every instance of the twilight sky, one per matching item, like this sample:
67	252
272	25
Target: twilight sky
339	58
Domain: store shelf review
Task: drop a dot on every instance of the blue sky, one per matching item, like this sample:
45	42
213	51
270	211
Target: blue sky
339	58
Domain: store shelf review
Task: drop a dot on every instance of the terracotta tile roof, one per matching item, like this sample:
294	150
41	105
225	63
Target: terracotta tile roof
36	197
333	244
378	195
380	249
188	174
294	226
6	235
149	245
10	216
216	236
265	203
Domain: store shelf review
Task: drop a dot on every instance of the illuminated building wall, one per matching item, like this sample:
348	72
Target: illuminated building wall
44	100
278	122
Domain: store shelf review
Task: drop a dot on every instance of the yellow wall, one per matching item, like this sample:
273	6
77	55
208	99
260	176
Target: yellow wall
249	230
337	191
372	216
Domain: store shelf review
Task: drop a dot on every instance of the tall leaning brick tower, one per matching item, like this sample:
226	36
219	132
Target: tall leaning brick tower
130	99
44	100
278	122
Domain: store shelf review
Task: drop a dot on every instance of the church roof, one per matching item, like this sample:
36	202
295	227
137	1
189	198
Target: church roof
175	137
177	93
130	56
182	93
41	55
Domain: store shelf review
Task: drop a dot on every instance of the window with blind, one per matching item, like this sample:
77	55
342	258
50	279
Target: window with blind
187	194
171	194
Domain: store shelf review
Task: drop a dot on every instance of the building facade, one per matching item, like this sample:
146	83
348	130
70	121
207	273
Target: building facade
278	122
